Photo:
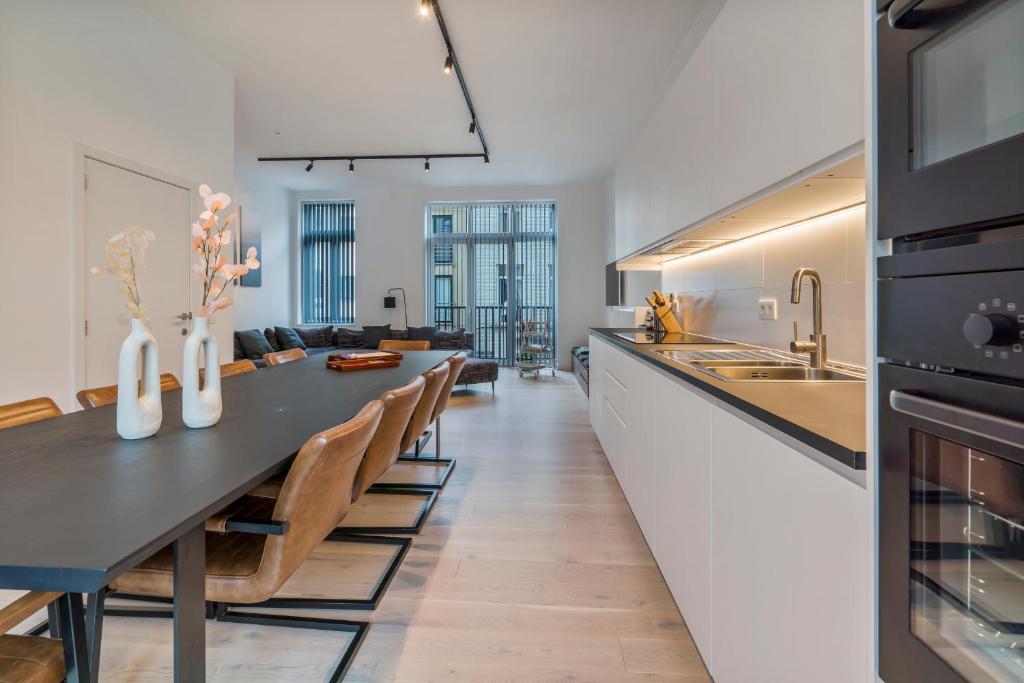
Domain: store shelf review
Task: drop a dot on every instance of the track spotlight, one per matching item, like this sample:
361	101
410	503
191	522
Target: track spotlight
487	158
448	64
426	165
310	167
351	166
424	7
472	126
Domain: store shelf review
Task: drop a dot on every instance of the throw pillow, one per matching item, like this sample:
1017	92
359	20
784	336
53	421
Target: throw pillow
347	339
374	334
400	334
254	344
452	339
288	338
239	352
316	336
428	333
272	338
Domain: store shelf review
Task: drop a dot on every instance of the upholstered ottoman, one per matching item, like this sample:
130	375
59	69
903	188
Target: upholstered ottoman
478	371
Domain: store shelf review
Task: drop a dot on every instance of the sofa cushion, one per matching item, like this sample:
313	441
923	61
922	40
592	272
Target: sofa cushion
374	334
239	352
287	338
452	339
428	333
348	339
254	344
272	338
316	336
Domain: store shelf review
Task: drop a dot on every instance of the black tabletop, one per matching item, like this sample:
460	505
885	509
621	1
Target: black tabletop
79	505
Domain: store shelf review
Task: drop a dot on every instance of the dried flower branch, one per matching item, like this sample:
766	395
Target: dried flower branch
126	251
209	237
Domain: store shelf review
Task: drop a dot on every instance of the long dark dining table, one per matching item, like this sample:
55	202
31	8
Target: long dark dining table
80	505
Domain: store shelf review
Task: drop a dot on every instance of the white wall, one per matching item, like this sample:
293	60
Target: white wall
389	253
266	208
106	75
720	289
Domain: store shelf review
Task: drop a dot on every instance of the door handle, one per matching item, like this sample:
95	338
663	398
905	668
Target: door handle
184	316
899	10
1001	429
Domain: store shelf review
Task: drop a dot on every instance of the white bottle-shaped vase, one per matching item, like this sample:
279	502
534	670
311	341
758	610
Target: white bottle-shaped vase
201	408
139	413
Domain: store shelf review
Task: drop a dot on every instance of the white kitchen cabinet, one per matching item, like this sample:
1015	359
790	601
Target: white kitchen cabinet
641	456
789	592
829	77
754	81
598	350
681	443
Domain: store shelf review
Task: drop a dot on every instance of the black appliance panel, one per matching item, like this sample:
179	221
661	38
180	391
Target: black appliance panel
951	554
948	160
972	322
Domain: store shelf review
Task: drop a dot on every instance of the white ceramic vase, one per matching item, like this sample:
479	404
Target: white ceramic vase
201	408
139	413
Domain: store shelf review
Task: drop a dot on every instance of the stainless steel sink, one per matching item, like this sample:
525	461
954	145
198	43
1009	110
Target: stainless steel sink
745	364
788	373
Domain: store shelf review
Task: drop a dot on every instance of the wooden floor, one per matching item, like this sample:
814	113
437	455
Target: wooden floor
531	568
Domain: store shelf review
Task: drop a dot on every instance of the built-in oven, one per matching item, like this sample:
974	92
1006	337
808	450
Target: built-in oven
951	478
950	114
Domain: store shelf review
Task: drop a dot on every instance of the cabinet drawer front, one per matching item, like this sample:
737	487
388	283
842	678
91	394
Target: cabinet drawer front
616	394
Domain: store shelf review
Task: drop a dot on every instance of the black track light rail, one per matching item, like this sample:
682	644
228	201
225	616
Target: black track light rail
436	4
475	127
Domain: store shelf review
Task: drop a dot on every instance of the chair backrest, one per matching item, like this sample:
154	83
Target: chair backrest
456	362
383	450
239	367
102	396
315	496
425	406
32	410
286	356
404	345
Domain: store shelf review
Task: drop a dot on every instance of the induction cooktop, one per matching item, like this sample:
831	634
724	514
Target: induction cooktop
649	337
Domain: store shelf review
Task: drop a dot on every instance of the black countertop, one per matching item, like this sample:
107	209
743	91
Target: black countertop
829	417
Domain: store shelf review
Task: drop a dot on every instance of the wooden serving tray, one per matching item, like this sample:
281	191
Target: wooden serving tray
349	362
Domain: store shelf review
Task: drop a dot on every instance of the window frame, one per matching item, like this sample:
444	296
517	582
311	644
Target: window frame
298	315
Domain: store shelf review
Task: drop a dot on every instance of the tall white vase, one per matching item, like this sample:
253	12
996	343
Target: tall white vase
139	413
201	408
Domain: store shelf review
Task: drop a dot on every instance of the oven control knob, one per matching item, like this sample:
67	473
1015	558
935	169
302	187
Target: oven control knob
990	330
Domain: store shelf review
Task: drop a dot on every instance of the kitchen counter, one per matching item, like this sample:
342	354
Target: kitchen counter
829	417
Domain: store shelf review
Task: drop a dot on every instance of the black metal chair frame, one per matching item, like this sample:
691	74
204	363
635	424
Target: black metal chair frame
424	459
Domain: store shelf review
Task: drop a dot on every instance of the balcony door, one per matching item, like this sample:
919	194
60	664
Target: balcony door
491	265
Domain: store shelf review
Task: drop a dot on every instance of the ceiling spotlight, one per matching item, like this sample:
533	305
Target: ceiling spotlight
487	158
351	166
426	165
310	167
472	126
448	64
424	7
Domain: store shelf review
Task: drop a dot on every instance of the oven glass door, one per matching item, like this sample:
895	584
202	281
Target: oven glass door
951	528
966	584
950	115
967	85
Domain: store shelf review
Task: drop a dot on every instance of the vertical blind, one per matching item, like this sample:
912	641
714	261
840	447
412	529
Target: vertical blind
328	262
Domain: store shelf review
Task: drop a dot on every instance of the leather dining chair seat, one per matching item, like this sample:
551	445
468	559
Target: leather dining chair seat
249	567
422	415
102	396
29	659
281	357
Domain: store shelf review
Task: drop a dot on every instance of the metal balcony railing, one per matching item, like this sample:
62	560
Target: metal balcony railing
491	329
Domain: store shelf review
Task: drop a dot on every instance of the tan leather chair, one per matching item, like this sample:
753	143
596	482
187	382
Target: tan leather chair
281	357
102	396
24	412
404	345
239	367
421	416
29	659
248	561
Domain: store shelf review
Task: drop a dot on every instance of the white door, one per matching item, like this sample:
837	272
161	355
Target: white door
116	198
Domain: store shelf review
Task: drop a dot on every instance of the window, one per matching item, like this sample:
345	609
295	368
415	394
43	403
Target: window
443	253
328	262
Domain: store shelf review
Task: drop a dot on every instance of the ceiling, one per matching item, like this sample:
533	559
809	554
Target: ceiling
560	86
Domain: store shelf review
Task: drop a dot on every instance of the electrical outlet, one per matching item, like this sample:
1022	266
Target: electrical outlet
768	309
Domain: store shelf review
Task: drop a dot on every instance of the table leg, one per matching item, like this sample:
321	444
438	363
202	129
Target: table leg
72	630
190	607
94	629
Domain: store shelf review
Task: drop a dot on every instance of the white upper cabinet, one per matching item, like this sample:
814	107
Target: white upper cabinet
829	67
773	87
753	62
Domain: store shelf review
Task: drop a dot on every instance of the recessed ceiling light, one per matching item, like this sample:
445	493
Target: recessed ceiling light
424	7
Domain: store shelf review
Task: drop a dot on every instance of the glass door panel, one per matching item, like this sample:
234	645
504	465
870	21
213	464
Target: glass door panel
492	297
967	558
